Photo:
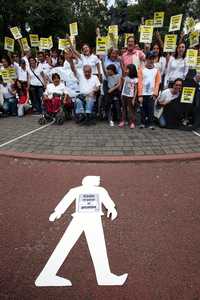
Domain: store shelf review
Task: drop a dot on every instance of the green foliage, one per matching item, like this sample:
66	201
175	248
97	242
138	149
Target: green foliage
52	17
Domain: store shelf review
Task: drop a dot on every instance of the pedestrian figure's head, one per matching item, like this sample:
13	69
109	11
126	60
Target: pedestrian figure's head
91	181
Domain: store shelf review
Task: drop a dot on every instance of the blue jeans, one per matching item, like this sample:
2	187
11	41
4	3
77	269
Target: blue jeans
10	106
89	104
162	121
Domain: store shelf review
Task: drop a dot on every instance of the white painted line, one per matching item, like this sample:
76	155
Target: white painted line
196	133
26	134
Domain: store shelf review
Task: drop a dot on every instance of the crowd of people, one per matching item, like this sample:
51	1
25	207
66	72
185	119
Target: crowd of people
135	86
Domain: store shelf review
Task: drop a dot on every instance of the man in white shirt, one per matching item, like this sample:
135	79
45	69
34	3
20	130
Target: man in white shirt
88	85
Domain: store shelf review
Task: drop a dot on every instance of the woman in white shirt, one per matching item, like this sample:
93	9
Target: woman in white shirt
56	88
163	101
177	66
36	83
159	59
89	59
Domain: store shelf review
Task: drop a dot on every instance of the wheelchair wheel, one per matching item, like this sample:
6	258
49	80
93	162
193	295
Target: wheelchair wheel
42	121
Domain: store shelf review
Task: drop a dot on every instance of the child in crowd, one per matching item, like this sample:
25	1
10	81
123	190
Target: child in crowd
23	97
149	80
113	93
9	99
129	93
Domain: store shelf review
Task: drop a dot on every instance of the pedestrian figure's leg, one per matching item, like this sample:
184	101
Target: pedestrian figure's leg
48	275
96	243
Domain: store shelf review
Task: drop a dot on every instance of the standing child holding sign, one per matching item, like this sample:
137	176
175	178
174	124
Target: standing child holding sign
129	93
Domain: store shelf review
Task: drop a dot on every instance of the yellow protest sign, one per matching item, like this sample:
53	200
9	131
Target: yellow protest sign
44	43
149	22
73	28
194	39
63	44
16	32
146	34
9	44
113	29
112	41
6	76
175	23
198	64
34	39
189	25
12	73
101	45
188	95
127	35
191	58
158	19
170	43
50	41
25	44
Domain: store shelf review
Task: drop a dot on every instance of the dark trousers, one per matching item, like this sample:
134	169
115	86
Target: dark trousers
113	107
147	111
36	93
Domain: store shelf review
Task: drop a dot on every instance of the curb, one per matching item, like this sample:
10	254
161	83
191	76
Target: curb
101	159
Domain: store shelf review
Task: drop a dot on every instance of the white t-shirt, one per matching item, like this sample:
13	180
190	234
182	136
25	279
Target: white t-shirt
149	76
167	96
33	79
54	61
177	68
129	86
88	86
7	91
26	60
46	68
91	60
55	89
22	74
161	65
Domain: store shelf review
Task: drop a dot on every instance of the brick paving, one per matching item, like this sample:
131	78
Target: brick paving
99	139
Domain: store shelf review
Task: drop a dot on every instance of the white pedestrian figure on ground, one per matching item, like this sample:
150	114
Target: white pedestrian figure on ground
89	199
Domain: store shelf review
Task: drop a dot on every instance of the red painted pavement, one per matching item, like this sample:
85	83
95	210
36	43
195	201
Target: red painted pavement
155	238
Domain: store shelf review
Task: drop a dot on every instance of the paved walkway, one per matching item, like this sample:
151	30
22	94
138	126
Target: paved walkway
95	140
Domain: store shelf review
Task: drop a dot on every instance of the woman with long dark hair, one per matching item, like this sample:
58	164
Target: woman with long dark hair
177	66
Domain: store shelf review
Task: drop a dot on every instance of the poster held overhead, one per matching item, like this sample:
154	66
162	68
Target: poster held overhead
9	44
175	23
146	34
170	43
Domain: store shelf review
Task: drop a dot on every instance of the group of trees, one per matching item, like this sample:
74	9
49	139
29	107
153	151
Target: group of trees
51	17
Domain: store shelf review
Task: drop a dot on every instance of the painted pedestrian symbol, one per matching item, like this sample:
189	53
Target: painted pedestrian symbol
89	199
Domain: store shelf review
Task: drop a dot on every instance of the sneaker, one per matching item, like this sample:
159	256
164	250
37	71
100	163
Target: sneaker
152	127
132	126
142	126
121	124
111	124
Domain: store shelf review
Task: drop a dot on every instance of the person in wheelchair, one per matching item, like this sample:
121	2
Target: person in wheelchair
89	85
55	99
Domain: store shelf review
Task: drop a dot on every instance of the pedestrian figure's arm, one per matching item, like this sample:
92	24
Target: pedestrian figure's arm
109	205
63	205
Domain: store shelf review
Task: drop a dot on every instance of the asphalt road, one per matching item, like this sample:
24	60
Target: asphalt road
155	238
